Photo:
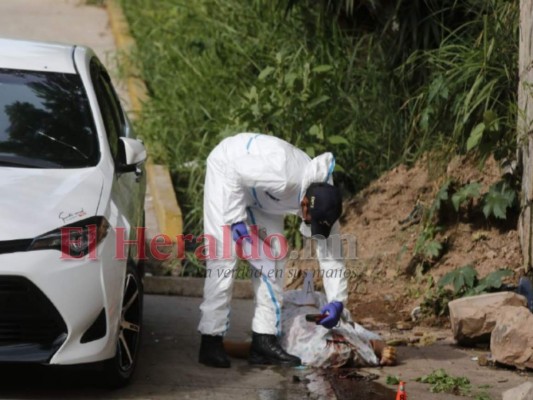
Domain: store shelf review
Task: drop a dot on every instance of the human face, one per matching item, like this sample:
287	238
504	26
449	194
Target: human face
306	215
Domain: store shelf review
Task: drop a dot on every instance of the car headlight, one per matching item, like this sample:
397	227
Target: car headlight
74	240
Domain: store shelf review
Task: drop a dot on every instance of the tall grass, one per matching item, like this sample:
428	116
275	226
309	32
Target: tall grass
469	79
215	68
375	82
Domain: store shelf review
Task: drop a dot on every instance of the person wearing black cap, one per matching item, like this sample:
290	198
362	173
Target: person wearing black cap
255	180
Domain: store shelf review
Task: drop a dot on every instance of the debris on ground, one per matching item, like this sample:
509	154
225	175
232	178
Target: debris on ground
441	382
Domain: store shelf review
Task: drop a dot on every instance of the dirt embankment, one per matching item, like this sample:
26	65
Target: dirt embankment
387	279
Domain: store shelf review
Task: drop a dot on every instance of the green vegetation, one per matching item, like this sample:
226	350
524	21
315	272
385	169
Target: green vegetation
498	199
464	194
452	201
464	281
392	380
496	202
441	382
376	83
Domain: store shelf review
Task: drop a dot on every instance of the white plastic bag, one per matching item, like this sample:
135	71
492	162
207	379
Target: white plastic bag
317	346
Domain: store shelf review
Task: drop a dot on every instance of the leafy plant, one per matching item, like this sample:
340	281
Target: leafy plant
435	301
465	193
462	279
499	198
293	95
441	382
486	136
465	281
426	245
392	380
432	215
442	197
492	281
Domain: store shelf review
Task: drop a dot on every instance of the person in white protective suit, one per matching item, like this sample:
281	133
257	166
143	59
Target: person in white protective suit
255	180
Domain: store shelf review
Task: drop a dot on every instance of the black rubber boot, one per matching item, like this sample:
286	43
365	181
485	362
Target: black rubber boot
266	350
212	352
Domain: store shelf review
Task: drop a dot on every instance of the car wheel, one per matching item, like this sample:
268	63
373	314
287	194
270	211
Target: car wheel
119	369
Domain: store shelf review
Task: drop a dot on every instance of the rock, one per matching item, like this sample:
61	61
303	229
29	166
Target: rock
404	326
427	340
473	318
483	361
511	342
522	392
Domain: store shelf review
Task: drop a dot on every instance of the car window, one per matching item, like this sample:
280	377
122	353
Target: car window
111	112
45	121
115	101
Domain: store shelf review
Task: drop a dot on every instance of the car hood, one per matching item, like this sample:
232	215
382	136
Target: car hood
36	201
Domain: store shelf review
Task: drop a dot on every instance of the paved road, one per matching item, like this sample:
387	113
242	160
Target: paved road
63	21
168	367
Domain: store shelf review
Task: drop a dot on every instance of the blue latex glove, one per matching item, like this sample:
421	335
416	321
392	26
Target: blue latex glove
239	231
334	312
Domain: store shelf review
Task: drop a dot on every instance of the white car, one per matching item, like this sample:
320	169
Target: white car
72	193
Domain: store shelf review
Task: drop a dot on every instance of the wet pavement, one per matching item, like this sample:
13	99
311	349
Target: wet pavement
168	367
350	383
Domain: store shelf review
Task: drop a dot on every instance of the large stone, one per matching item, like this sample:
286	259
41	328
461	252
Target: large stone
521	392
511	342
473	318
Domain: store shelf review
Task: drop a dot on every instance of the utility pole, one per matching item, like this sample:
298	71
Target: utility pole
525	129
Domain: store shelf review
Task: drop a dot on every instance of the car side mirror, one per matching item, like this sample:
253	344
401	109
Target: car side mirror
132	153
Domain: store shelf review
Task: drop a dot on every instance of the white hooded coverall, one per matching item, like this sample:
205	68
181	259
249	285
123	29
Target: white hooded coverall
258	179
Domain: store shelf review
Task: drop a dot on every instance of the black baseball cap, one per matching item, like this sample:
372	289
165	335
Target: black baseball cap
325	207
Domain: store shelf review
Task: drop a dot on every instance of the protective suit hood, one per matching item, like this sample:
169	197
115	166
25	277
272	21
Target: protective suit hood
320	169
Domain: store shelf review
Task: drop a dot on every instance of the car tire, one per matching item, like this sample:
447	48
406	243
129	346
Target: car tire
119	369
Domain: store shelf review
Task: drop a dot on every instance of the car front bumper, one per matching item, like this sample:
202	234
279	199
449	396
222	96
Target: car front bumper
78	289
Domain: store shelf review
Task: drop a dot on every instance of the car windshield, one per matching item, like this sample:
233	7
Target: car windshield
45	121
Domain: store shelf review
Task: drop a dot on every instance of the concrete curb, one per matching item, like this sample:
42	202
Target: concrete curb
125	45
168	211
191	287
